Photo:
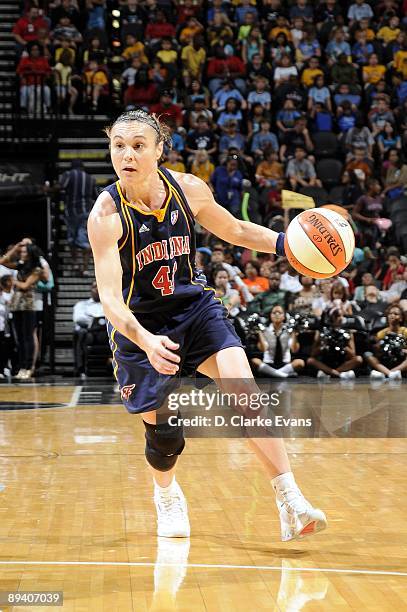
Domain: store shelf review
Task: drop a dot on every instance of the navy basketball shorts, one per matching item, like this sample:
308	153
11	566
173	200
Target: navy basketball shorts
201	328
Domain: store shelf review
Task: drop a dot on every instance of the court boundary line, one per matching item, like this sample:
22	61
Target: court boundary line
210	566
76	393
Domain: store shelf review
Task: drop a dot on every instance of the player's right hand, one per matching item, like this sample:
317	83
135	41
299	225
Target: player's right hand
161	355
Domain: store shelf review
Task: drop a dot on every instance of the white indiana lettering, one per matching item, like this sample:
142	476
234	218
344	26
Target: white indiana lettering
157	251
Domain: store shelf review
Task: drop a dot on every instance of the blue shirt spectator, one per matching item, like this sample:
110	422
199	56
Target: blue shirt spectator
227	182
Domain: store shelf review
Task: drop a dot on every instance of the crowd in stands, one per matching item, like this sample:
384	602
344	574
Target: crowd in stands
261	97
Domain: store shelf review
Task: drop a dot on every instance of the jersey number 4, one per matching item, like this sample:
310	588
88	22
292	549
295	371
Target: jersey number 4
164	281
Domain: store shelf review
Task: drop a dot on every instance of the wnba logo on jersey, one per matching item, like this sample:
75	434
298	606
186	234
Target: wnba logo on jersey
174	217
126	391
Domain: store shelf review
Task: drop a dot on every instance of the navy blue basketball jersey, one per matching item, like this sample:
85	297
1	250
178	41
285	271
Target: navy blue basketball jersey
157	251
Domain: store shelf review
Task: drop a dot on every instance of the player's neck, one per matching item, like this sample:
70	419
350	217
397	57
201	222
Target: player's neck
149	191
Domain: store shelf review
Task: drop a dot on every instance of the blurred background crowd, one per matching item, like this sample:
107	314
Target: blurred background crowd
260	97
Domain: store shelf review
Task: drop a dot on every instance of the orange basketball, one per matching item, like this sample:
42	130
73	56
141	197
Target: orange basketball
319	243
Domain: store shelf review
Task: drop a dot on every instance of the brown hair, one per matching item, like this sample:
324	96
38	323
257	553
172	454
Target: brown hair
162	130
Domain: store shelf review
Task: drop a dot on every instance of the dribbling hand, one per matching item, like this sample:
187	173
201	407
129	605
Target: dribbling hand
160	353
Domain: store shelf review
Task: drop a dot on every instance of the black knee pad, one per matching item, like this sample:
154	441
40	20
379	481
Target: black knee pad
164	443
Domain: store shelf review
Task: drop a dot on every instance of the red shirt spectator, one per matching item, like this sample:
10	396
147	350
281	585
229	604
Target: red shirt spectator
33	65
160	28
26	28
166	108
231	66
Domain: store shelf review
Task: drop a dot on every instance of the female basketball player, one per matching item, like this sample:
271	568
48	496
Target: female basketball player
162	316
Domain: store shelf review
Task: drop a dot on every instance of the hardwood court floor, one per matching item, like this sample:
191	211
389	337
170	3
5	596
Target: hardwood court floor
76	510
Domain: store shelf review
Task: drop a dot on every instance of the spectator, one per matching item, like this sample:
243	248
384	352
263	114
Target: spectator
202	167
300	170
320	302
97	83
359	10
326	359
360	137
65	30
80	193
337	46
367	209
343	72
264	302
174	161
360	291
232	112
159	28
285	119
270	170
339	298
84	313
395	174
298	137
259	95
290	281
26	28
35	94
264	139
319	93
65	91
22	306
167	109
311	71
229	297
382	363
201	138
232	138
372	307
252	45
358	161
373	72
193	58
285	68
276	343
143	93
387	139
227	91
301	302
227	185
253	281
133	48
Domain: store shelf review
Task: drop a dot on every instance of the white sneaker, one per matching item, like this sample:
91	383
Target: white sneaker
172	512
376	375
21	374
322	374
347	375
396	375
298	518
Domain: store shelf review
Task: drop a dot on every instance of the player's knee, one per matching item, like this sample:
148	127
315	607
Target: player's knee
164	442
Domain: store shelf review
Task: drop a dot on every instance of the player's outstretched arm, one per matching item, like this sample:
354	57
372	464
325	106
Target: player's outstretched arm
220	222
105	229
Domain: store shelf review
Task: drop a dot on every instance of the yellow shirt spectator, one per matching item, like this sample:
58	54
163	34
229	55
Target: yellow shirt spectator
387	35
373	74
168	56
138	47
96	77
277	30
176	166
59	52
399	62
308	76
193	60
203	171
